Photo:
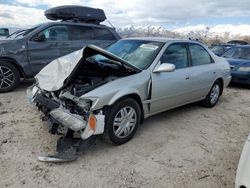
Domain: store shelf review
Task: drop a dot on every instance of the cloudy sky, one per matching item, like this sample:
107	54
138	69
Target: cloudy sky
168	14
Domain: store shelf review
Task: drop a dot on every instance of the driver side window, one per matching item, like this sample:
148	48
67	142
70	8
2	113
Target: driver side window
56	33
176	54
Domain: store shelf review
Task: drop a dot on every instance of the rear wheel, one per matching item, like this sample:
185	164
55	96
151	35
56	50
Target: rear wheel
214	94
121	121
9	77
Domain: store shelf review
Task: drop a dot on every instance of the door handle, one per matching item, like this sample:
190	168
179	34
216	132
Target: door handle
188	77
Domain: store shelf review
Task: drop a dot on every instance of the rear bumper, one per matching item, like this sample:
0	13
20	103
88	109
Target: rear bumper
243	171
241	77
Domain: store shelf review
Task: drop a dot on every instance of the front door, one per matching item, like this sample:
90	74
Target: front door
171	89
40	53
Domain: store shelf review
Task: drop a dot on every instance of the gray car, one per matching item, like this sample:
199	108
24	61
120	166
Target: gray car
95	91
24	53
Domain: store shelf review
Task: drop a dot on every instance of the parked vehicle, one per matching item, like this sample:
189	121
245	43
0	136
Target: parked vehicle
219	49
239	59
243	170
27	51
95	91
4	32
237	42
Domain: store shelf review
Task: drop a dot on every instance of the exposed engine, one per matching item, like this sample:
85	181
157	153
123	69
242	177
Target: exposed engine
93	74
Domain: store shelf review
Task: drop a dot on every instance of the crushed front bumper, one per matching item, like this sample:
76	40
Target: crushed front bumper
60	120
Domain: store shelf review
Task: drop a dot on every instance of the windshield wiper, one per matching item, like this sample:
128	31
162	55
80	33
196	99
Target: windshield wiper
15	33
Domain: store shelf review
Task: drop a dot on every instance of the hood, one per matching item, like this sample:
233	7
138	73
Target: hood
239	62
56	74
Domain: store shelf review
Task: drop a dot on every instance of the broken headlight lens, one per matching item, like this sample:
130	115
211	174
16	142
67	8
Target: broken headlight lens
92	101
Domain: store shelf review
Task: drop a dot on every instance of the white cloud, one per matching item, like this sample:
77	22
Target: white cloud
34	3
16	16
136	12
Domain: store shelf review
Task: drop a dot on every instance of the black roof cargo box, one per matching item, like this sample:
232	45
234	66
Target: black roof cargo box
76	13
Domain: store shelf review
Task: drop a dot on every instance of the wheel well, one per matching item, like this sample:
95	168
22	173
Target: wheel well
13	62
138	100
222	84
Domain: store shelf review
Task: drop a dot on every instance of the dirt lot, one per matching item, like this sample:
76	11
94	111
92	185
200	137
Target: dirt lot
191	146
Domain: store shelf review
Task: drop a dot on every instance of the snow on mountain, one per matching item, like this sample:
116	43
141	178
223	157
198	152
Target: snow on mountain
225	31
150	30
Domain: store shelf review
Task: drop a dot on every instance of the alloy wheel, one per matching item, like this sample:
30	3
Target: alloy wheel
124	122
7	77
215	93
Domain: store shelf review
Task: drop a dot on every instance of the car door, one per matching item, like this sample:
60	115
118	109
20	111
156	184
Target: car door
79	36
171	89
103	37
42	52
204	71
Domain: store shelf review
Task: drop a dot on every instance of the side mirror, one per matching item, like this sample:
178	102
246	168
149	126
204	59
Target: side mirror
39	38
165	67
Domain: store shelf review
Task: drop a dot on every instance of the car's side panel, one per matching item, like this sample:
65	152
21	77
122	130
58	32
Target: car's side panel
170	89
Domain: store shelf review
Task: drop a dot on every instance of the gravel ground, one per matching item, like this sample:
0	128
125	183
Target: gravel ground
191	146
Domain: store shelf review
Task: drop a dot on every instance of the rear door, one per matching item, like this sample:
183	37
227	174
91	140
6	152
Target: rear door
79	36
203	72
40	53
103	37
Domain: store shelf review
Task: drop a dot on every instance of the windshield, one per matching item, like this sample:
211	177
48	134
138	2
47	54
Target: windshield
217	49
238	53
138	53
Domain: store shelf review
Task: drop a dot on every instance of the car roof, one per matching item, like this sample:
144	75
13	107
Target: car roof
162	39
242	46
77	23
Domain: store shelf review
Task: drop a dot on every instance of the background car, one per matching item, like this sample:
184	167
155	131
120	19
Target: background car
111	91
4	32
219	49
239	59
26	52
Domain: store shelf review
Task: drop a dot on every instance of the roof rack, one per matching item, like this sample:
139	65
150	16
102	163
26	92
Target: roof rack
76	14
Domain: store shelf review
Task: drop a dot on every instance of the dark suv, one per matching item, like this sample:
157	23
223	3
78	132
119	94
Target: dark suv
26	52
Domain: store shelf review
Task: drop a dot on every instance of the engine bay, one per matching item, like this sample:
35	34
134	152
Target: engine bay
92	74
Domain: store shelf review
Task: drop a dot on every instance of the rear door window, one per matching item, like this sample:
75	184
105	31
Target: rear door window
199	55
103	34
80	33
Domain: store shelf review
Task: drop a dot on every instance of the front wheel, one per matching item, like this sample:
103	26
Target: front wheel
121	121
9	77
213	96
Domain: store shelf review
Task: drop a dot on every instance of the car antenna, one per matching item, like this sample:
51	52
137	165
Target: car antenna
110	24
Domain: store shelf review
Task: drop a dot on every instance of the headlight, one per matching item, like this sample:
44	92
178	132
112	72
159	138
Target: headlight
31	92
245	69
90	100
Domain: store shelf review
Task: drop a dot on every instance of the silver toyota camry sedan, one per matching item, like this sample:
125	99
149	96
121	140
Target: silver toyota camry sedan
110	91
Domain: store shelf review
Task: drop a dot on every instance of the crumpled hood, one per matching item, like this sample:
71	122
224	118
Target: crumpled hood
53	76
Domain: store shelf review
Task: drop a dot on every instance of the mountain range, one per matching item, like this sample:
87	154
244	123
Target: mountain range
222	32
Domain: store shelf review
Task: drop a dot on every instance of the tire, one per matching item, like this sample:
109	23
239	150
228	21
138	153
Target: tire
120	127
9	77
214	95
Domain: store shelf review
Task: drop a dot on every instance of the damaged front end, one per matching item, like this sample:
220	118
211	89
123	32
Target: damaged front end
61	87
